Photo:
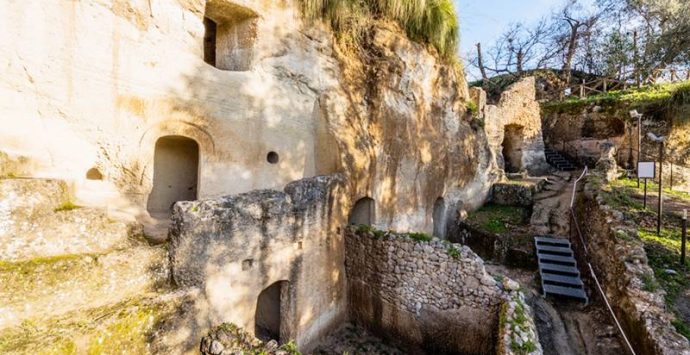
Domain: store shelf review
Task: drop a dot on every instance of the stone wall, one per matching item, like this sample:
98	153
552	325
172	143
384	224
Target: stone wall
620	261
518	112
433	296
234	247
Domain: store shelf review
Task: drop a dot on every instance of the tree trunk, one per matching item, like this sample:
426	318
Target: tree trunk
570	54
480	63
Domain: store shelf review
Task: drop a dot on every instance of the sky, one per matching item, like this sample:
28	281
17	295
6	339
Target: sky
484	20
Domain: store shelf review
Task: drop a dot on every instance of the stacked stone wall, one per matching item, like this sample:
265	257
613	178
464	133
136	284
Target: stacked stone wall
428	295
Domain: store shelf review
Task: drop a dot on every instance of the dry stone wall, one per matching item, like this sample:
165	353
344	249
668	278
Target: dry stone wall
428	295
621	263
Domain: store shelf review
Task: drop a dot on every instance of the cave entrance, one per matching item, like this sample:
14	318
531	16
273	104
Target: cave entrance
512	148
438	218
175	174
270	311
363	212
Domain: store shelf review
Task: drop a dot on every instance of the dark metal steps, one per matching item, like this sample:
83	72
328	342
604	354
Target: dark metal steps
558	268
558	160
578	293
547	249
556	259
552	242
571	281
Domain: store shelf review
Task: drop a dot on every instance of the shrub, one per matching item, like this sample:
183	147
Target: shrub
432	21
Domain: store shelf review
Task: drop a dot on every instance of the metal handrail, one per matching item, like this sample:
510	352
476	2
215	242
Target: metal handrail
573	215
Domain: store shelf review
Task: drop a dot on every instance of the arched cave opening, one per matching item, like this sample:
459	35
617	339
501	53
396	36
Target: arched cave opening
175	173
512	148
363	212
439	218
270	310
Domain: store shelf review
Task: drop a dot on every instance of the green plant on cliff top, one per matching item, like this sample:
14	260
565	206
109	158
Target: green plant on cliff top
668	95
431	21
453	252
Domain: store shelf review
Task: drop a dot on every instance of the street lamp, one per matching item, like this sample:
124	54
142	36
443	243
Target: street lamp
634	114
661	140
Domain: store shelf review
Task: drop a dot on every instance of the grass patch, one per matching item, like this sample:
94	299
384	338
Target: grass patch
663	250
124	328
496	218
66	206
420	237
433	22
666	95
652	187
681	328
453	252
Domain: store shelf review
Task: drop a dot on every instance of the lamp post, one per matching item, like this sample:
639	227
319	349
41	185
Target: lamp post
635	114
684	234
661	140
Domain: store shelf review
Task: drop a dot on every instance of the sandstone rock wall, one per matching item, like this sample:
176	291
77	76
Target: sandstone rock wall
430	295
513	127
105	80
233	248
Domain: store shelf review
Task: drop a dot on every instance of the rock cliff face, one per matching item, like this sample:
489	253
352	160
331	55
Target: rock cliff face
138	104
101	87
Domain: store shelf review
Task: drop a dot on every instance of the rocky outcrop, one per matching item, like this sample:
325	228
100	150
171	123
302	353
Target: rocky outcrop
513	128
243	244
426	294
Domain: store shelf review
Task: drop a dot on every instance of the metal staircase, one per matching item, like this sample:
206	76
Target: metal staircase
558	160
558	268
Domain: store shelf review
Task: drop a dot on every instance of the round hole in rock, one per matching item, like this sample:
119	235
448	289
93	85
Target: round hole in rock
94	174
272	157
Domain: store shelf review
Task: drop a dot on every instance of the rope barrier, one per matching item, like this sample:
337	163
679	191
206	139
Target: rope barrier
591	269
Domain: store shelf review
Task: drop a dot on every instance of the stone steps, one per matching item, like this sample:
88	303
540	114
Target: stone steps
45	287
558	268
559	161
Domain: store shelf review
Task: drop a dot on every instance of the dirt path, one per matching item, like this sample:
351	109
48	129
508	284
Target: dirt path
550	213
565	327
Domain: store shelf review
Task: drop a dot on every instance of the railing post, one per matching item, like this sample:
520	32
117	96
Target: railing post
605	85
582	89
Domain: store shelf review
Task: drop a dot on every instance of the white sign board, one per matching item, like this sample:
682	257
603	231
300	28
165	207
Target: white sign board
646	170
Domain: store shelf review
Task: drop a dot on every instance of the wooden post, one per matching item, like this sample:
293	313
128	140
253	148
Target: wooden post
639	148
645	194
582	89
605	86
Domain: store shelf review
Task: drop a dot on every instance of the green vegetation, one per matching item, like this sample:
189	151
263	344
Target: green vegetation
420	237
453	252
471	107
664	95
663	250
124	328
433	21
66	206
519	321
652	187
497	218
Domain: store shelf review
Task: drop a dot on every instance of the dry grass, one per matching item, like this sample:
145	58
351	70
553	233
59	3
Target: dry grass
429	21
